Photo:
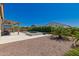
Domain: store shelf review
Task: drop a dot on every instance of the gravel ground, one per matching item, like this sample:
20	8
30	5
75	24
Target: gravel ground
42	46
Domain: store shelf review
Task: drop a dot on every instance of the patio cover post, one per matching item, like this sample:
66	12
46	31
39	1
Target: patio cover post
0	26
12	28
1	17
18	29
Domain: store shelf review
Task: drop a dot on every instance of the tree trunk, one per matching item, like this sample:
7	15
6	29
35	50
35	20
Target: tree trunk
59	37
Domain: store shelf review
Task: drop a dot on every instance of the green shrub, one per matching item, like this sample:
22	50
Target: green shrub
73	52
41	29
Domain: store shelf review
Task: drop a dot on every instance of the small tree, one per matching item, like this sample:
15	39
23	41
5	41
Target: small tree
61	32
58	31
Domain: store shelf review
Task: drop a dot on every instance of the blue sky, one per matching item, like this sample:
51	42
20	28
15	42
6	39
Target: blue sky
42	13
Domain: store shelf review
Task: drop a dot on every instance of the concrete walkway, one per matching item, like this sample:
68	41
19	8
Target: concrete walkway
14	37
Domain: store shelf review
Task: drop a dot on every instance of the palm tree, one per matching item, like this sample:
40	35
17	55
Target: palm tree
61	32
58	31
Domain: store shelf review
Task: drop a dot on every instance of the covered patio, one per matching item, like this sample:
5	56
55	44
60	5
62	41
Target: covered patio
8	25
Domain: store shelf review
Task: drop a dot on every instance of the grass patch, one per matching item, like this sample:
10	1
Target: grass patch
73	52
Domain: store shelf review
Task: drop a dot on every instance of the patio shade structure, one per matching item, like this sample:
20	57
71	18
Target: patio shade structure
10	23
4	22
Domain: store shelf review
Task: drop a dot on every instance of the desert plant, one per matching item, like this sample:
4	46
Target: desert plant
72	52
76	39
41	29
58	31
61	32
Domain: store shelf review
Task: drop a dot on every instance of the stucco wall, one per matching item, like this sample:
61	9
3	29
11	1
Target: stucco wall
0	18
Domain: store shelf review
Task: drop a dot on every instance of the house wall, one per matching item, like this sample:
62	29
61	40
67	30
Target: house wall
0	14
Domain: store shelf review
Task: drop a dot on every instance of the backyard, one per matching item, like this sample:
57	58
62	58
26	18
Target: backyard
61	42
32	32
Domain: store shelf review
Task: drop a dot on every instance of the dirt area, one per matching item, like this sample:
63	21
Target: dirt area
42	46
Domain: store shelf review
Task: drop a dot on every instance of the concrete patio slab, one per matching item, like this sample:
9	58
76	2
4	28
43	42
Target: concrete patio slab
14	37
